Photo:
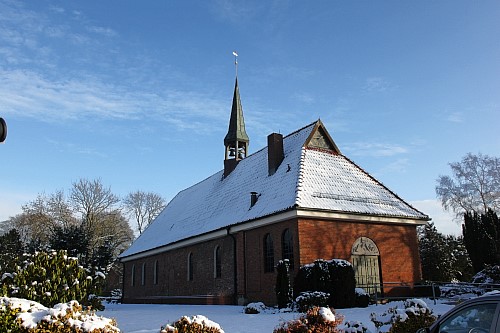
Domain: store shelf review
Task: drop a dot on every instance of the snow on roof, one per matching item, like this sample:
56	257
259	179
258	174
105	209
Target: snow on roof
306	178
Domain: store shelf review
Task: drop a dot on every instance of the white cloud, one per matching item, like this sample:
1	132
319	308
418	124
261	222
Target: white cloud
443	220
102	31
28	94
377	84
455	117
374	149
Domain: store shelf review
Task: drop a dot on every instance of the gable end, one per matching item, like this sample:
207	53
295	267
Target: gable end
320	139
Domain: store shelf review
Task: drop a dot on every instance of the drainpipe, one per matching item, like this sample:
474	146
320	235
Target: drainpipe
235	259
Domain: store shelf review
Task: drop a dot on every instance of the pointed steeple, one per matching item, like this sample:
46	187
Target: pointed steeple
236	140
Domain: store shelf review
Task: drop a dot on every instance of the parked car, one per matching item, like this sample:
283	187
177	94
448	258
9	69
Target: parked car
478	315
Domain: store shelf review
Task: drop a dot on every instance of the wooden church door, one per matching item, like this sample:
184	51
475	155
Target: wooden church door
365	261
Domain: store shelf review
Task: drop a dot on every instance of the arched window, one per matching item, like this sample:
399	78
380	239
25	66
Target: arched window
287	246
217	262
143	274
132	277
155	272
190	267
268	254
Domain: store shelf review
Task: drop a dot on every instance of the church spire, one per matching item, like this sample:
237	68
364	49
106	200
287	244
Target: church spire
236	140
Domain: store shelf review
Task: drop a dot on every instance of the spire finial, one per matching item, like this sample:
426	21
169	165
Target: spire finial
236	62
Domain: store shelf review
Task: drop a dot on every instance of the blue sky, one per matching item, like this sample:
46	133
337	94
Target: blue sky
138	93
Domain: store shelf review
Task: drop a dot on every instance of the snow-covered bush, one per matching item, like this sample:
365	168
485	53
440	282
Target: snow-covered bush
355	327
317	319
489	275
25	316
51	278
254	308
310	299
362	298
335	277
195	324
415	314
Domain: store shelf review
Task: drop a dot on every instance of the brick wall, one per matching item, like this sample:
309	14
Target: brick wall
317	238
259	285
397	244
172	277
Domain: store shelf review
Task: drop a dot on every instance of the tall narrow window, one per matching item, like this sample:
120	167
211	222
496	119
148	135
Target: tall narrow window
217	263
132	277
268	254
190	267
143	274
155	272
287	246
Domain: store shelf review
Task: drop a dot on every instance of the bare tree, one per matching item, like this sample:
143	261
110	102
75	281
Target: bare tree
92	200
474	185
144	207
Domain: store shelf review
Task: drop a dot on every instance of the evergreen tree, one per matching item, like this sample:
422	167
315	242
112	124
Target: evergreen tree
460	267
283	286
433	257
443	258
482	237
10	248
72	239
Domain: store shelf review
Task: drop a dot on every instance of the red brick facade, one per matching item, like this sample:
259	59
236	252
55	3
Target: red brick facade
312	239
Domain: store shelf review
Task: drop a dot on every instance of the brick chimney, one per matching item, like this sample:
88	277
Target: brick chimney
275	153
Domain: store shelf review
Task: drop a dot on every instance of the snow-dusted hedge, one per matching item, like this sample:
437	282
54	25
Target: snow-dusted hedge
195	324
25	316
51	278
317	319
335	277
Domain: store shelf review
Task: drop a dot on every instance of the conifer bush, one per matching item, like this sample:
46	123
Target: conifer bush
317	319
195	324
51	278
283	287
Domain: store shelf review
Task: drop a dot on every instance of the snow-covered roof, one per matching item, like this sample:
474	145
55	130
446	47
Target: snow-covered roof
307	178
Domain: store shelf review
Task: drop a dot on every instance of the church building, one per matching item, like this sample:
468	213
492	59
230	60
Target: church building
299	198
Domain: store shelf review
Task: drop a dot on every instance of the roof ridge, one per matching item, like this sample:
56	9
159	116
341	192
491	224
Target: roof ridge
301	129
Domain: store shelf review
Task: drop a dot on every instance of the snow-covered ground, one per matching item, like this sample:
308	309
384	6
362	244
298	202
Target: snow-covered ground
148	318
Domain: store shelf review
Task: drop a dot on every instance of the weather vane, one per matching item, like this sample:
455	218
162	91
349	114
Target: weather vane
236	62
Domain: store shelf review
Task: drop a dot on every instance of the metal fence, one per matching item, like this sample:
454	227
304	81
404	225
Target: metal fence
453	291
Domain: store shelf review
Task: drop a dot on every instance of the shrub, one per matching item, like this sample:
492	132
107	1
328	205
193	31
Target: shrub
415	315
362	298
51	278
24	316
355	327
335	277
310	299
254	308
317	319
283	287
195	324
489	275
